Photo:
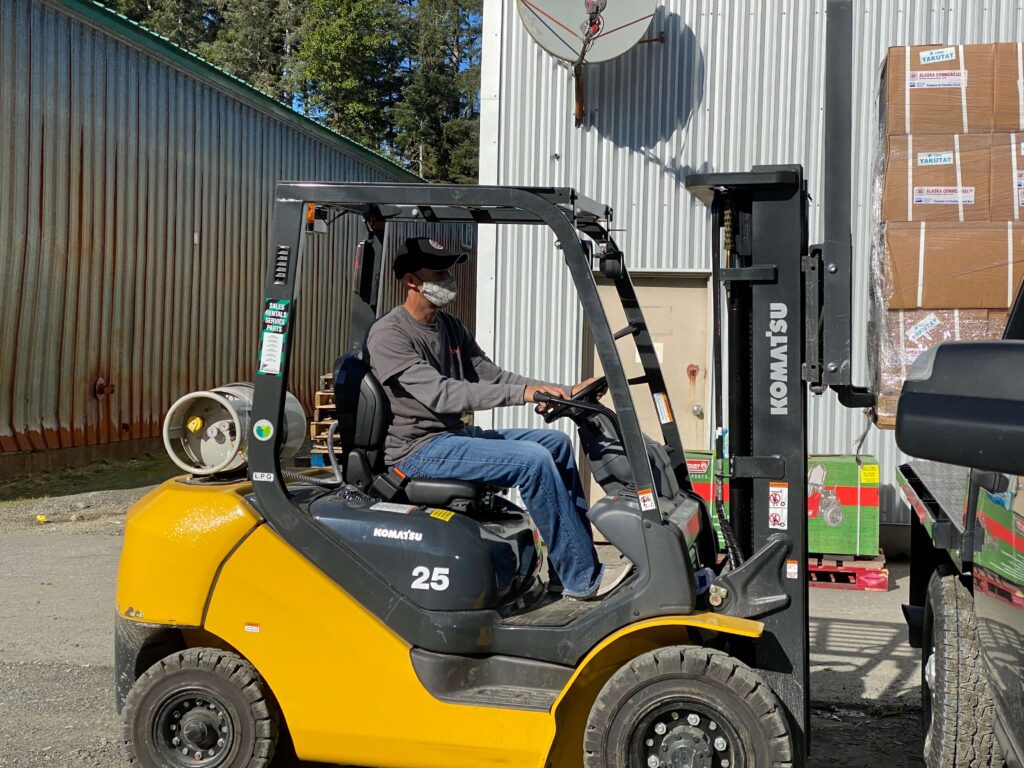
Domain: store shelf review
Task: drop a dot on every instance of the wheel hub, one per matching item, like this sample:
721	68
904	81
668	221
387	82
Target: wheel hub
687	747
680	738
194	731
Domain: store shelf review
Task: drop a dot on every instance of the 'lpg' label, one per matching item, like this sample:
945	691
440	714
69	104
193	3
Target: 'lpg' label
938	54
935	158
939	78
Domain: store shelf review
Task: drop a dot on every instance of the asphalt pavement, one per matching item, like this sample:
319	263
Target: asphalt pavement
56	637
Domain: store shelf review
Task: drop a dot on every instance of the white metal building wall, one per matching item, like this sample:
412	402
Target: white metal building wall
736	83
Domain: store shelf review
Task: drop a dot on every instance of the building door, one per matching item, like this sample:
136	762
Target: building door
677	310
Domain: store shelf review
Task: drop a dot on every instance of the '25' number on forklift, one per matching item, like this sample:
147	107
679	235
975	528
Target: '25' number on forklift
438	579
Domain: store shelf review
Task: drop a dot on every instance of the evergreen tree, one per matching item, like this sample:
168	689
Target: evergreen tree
189	23
257	42
438	115
355	57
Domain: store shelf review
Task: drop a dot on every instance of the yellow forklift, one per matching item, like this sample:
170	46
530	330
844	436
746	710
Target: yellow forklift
407	624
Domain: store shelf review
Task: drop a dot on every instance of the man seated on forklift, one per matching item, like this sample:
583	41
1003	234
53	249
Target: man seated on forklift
433	372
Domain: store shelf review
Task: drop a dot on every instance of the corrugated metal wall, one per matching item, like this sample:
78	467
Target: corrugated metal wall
736	83
136	188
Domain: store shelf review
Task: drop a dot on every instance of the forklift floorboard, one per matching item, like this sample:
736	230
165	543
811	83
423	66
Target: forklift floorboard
555	613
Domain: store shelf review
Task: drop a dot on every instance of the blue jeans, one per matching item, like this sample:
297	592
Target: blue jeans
540	463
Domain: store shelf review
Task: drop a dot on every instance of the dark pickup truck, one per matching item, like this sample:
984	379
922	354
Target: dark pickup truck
962	413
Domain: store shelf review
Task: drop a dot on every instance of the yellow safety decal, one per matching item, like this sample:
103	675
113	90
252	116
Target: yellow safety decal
443	514
869	473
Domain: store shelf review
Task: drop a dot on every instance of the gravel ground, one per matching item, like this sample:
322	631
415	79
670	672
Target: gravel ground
56	691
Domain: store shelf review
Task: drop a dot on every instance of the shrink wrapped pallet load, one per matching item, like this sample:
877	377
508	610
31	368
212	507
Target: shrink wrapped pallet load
949	244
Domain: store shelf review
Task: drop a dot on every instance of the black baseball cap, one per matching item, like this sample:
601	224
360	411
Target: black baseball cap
418	253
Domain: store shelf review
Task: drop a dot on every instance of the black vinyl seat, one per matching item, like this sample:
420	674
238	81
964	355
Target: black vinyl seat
363	417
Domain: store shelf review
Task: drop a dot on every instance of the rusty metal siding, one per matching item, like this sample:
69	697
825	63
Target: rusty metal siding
137	191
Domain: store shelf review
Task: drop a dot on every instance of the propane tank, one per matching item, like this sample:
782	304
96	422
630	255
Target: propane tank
207	432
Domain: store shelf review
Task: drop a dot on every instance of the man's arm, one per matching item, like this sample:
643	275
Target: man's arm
488	372
394	360
445	395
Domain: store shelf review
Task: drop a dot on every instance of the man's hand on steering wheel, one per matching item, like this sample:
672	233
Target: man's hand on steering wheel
598	393
586	391
531	391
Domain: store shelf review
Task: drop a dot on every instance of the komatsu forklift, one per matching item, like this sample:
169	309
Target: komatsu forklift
407	624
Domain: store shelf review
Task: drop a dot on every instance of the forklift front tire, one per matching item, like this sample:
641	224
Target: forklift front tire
686	705
201	708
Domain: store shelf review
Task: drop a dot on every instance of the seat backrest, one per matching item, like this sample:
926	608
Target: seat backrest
362	410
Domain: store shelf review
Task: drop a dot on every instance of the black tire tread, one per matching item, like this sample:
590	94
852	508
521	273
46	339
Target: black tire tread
692	662
229	667
962	717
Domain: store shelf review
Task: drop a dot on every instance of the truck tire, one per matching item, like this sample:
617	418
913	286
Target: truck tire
200	708
956	706
686	705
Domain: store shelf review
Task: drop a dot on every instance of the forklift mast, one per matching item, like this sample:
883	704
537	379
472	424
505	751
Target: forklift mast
782	328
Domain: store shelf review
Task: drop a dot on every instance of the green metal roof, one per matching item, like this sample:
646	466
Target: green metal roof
104	18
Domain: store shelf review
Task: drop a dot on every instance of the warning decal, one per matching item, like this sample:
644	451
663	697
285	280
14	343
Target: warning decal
646	496
778	506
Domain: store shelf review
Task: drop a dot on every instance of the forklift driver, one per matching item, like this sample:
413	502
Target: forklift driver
434	372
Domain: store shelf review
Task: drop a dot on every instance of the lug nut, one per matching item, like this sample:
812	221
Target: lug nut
660	729
720	744
712	726
725	764
693	719
675	715
653	761
649	742
175	741
220	742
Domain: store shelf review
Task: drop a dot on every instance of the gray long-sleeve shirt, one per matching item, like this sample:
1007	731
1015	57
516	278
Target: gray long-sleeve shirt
432	375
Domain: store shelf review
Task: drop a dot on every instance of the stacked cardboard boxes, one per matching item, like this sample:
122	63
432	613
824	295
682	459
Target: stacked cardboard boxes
950	254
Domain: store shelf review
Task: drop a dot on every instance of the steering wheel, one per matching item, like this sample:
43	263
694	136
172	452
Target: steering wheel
589	392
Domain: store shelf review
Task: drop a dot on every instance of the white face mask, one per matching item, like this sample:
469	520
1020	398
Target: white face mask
440	293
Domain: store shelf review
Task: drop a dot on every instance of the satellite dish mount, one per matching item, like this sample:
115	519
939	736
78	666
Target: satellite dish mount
583	32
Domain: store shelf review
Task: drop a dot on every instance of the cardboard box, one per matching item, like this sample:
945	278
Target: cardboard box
1006	187
842	501
943	265
908	333
936	177
939	89
1008	95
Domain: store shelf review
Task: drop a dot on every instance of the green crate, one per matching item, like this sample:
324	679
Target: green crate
842	501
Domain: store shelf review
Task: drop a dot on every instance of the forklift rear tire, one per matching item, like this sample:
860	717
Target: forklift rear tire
200	708
686	705
956	705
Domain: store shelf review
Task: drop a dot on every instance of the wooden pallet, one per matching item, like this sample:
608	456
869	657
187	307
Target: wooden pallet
998	588
324	400
848	572
326	382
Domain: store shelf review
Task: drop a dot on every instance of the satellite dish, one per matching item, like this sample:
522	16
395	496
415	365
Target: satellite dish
586	31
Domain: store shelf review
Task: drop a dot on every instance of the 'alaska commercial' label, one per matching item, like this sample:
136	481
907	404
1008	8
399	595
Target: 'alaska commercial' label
938	78
778	340
943	195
